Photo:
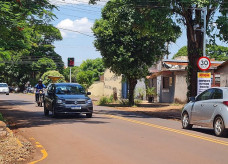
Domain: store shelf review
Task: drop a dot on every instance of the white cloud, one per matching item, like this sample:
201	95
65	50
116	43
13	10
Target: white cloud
82	25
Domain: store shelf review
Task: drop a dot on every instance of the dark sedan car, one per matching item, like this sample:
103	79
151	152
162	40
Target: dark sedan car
67	98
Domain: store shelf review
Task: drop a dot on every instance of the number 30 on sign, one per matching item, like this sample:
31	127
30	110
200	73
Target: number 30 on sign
204	63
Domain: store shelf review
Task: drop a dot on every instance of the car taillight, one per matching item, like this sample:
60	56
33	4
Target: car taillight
225	103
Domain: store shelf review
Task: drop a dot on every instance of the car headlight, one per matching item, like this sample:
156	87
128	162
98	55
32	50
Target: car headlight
59	101
89	101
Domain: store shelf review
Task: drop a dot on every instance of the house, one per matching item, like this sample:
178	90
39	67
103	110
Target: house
222	70
111	84
169	78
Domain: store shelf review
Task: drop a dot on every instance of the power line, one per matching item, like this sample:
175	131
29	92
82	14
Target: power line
85	10
75	16
63	2
76	32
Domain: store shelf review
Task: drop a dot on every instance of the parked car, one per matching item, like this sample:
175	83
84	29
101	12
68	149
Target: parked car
4	89
208	109
67	98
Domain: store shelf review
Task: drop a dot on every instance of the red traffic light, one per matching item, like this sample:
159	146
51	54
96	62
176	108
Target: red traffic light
70	62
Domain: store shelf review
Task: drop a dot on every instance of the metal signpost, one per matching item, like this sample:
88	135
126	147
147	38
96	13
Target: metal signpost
70	64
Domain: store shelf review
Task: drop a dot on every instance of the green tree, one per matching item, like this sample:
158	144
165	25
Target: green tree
43	65
94	65
219	53
85	78
181	52
26	36
126	50
47	81
74	71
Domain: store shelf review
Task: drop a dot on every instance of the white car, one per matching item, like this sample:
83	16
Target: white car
4	89
209	109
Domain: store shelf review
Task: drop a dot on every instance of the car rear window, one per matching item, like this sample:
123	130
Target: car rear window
3	85
69	89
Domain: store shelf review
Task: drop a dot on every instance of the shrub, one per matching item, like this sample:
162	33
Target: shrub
104	101
1	117
125	102
137	101
46	80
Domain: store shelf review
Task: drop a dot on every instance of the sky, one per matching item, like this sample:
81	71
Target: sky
75	19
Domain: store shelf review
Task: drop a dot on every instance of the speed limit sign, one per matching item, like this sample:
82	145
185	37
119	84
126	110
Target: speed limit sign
204	63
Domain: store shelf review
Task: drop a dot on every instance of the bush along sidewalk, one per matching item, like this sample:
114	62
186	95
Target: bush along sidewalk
1	117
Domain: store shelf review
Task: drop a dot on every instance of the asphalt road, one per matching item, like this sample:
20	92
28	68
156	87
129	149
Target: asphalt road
112	137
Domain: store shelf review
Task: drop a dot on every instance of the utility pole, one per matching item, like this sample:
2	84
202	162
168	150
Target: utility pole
204	29
70	74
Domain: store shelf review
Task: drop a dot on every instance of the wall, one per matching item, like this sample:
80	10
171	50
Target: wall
112	82
97	89
180	93
140	87
223	75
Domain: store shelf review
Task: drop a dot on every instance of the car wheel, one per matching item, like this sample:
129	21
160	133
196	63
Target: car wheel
186	121
7	94
46	112
89	115
219	127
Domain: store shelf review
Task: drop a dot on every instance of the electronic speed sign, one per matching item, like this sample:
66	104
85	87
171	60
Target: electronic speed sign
204	63
70	62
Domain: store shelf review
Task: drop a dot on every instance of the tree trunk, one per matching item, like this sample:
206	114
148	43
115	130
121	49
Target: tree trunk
132	84
195	49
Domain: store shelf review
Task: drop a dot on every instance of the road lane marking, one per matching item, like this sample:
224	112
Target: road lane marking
170	130
43	151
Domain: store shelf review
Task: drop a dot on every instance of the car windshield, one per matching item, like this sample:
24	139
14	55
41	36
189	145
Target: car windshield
3	85
70	89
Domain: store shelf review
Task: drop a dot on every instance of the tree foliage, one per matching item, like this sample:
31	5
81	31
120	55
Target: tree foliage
47	81
88	72
26	36
85	78
94	65
126	50
43	65
219	53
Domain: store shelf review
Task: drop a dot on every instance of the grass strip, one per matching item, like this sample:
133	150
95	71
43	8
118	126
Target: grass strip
1	117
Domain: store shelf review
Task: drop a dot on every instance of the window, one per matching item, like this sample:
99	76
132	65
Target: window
165	82
218	94
205	95
3	85
69	89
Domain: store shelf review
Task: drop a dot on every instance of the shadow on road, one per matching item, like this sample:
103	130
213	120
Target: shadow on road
174	114
204	130
21	118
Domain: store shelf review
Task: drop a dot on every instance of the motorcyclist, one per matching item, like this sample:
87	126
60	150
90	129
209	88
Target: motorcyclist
39	86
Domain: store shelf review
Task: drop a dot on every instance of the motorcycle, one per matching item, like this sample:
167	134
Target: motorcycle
40	97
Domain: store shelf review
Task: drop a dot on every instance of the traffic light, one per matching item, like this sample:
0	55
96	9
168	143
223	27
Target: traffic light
70	62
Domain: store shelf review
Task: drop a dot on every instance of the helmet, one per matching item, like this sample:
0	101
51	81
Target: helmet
40	80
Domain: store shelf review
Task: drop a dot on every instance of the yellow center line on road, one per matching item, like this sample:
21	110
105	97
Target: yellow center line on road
170	130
